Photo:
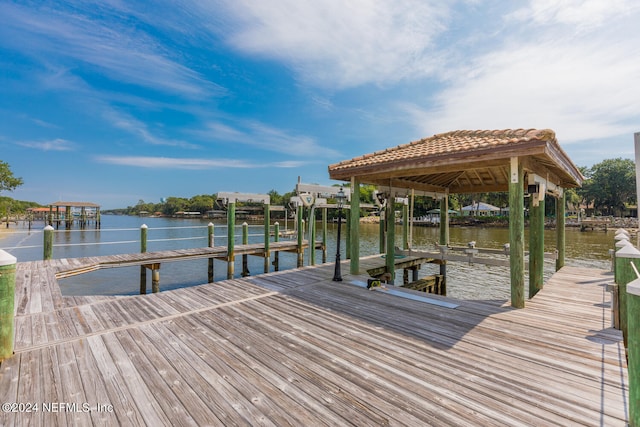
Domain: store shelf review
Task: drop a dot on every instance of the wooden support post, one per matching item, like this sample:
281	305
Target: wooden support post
324	235
231	226
633	361
516	233
276	238
48	242
143	238
312	236
391	239
210	239
383	232
405	226
560	231
536	244
414	272
347	233
7	303
621	240
155	278
354	227
143	249
444	240
245	257
625	274
267	237
68	218
300	230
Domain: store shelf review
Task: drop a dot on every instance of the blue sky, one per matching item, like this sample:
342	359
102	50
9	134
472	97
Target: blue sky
118	101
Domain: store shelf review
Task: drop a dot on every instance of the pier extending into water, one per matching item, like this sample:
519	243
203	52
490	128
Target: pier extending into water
297	348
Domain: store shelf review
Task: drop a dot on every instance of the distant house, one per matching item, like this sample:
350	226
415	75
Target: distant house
480	209
38	214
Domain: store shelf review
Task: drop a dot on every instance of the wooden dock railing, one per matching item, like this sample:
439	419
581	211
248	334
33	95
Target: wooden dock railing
152	260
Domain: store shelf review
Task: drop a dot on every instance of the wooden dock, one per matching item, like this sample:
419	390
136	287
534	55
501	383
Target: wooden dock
73	266
295	348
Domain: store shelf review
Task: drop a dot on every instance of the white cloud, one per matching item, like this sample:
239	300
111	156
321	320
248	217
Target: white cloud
50	145
189	163
338	43
581	14
261	136
172	162
582	84
116	49
140	129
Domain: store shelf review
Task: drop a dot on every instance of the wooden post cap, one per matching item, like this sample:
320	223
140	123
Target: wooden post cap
633	287
628	251
6	258
622	243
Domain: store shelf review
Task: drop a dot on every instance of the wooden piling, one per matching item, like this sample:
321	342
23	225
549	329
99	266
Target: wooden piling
560	231
267	237
48	243
625	274
210	239
405	226
245	257
276	238
7	303
300	231
516	233
143	249
231	225
354	227
324	235
391	239
536	244
633	362
383	232
444	240
312	236
155	278
347	232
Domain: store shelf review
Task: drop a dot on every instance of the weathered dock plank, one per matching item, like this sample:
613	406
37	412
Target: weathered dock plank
295	348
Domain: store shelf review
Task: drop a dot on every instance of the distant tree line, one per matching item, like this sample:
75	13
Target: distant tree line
609	188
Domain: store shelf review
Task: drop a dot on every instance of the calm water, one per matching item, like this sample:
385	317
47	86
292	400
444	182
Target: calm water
121	234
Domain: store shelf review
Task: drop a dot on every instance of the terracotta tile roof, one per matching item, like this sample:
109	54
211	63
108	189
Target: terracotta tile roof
75	204
450	143
463	161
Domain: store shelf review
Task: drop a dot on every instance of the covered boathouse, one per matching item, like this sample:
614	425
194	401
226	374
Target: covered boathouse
81	213
472	161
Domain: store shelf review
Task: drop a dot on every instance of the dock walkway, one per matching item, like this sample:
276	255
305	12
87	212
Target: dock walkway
296	348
